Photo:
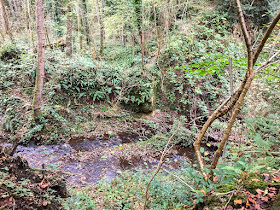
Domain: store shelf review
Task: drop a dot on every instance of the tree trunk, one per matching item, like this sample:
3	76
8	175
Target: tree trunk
6	20
102	31
69	30
39	83
85	21
29	23
12	8
93	34
79	22
138	9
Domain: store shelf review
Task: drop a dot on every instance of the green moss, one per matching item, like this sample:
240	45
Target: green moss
224	188
252	185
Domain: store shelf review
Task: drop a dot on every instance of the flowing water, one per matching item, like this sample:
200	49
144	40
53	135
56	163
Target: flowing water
90	160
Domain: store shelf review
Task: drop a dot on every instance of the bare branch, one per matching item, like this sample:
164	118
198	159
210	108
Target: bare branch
244	28
265	37
265	64
274	44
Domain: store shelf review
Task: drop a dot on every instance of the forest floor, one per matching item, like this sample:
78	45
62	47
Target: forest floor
87	158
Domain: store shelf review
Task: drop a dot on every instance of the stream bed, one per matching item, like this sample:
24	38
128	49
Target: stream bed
90	160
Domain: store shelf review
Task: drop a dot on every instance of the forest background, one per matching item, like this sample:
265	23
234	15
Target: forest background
158	69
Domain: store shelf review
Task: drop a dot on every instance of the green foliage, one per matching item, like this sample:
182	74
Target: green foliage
166	192
80	199
264	131
10	53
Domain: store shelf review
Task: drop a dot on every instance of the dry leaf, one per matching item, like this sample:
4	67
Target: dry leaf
266	177
45	203
203	192
265	198
271	195
259	191
44	184
255	180
252	200
237	202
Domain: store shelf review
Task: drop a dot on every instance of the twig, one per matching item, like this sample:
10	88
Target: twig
158	167
265	64
231	197
266	36
229	200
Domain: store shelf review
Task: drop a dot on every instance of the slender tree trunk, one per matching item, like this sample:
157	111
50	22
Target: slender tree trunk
69	30
85	21
102	31
133	46
6	20
93	34
17	10
39	83
11	8
79	25
30	23
142	36
138	8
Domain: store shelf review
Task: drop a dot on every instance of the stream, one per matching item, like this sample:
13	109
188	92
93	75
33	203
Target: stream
90	160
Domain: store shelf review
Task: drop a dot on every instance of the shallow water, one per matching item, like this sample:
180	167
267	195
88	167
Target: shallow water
83	158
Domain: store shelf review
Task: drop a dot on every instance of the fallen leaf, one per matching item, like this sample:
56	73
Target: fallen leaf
265	198
252	200
44	184
259	191
255	180
203	192
45	203
266	177
271	195
237	202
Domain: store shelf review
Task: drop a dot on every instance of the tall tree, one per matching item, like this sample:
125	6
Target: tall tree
85	21
69	29
40	74
6	20
138	9
99	12
79	22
